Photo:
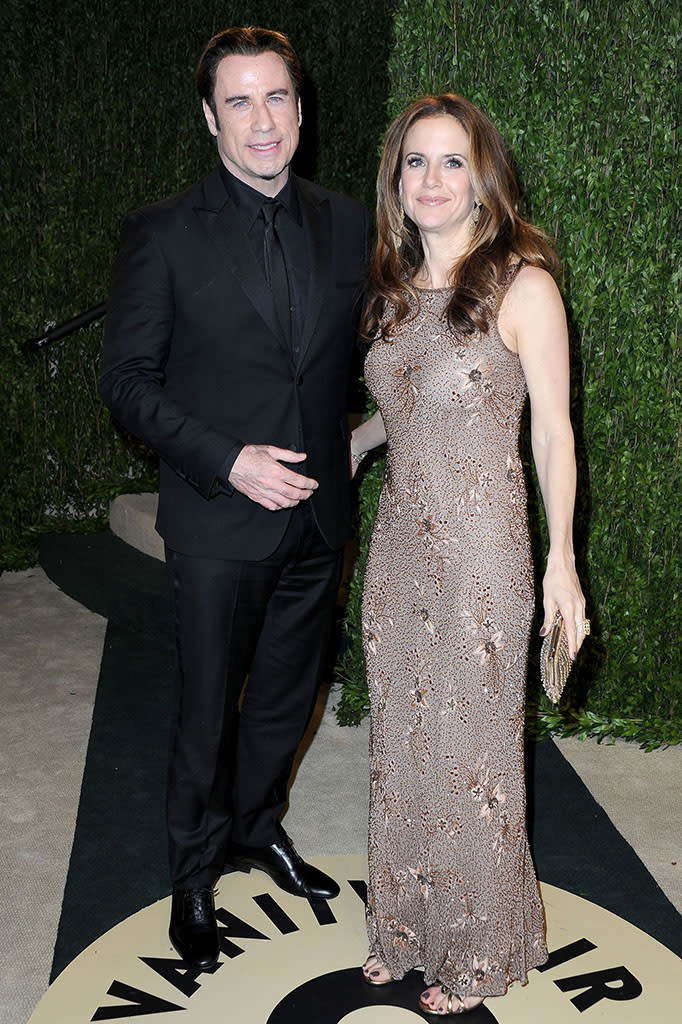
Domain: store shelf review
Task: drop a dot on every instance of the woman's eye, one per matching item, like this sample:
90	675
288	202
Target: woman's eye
414	161
453	161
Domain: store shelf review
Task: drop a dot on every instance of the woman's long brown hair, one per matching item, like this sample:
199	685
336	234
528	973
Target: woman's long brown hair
500	231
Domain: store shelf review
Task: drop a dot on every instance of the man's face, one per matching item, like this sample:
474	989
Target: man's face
257	121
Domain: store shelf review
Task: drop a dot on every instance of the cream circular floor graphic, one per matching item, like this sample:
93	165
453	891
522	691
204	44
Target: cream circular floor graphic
285	961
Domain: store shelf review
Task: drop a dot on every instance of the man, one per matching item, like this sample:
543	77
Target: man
228	338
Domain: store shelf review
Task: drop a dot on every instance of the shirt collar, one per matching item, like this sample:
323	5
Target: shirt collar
250	201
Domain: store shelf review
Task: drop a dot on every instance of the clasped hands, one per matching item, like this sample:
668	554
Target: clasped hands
259	473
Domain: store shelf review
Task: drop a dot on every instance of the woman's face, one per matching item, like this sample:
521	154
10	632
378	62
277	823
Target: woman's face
434	177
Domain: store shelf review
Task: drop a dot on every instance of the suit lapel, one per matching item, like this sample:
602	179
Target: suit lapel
317	225
220	220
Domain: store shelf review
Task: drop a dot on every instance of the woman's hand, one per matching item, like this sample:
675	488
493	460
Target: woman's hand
355	460
366	436
562	592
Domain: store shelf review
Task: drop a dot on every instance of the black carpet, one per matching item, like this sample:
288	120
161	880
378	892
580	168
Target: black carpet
118	861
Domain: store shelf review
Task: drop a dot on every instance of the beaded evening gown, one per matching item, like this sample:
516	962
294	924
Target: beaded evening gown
448	602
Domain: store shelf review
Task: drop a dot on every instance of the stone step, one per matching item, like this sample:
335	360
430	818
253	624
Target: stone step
132	518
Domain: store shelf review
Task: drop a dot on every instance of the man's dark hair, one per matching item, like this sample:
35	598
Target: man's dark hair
249	41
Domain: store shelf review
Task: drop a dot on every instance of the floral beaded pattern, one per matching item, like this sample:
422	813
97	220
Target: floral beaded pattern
446	618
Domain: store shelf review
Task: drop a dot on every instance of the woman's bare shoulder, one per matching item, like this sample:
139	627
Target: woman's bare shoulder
533	300
534	283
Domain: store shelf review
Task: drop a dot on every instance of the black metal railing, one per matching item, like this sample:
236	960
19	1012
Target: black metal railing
57	331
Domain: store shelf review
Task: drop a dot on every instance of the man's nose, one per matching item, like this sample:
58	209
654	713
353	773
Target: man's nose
262	118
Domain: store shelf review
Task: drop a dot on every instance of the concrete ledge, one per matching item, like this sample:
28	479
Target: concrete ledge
132	518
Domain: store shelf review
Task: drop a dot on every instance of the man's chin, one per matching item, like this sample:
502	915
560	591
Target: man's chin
270	174
251	175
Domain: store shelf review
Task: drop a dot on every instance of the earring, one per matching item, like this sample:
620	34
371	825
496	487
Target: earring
475	215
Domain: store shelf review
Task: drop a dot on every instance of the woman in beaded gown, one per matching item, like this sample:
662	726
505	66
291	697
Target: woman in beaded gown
467	321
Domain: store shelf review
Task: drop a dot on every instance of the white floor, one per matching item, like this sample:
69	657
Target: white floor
50	652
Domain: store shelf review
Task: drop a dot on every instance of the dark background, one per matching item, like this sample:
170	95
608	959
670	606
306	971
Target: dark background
99	116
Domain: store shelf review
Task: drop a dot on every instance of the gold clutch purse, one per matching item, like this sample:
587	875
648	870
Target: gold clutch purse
555	661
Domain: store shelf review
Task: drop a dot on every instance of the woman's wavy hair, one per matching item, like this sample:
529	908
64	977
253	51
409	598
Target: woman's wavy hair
500	230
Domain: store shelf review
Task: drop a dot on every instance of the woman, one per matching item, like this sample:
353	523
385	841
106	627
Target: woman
467	320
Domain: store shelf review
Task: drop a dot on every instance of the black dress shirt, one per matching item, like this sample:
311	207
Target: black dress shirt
290	230
291	233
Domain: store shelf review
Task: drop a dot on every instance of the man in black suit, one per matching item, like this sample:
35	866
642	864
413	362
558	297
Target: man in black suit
228	338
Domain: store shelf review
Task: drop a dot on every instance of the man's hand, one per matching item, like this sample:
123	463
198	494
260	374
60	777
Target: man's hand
259	474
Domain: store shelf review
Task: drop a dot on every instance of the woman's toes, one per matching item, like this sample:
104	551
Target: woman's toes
374	970
432	997
426	996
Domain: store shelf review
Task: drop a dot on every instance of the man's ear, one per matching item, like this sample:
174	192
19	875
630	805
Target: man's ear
210	118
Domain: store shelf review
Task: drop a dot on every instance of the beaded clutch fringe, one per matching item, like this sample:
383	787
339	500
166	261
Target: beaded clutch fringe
555	661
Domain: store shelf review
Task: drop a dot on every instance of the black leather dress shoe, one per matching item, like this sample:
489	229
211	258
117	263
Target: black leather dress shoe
286	867
193	929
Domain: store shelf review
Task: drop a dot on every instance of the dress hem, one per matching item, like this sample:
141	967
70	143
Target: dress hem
483	991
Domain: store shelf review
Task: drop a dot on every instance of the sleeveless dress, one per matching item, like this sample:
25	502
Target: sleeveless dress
447	608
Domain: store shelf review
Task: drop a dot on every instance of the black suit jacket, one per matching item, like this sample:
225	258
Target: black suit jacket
195	364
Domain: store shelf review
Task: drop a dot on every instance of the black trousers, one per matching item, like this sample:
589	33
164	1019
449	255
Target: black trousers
270	620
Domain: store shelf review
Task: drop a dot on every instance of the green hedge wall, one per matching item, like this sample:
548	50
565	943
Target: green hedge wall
100	116
588	96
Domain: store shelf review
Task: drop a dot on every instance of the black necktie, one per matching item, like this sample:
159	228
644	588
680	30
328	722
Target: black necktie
275	267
